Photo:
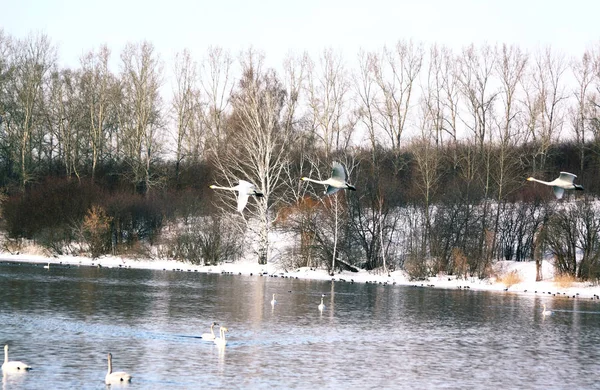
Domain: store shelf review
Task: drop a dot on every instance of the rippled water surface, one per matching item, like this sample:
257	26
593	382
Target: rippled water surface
64	321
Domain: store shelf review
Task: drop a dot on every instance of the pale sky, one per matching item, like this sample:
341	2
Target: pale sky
277	27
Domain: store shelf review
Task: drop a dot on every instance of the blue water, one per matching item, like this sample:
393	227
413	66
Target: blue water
64	321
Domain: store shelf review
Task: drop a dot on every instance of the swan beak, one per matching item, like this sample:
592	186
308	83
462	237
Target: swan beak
304	178
213	186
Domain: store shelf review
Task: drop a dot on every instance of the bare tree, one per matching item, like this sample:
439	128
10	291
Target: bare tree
510	70
96	83
395	72
427	157
216	83
258	142
476	72
545	94
584	74
327	91
33	58
184	105
65	118
140	112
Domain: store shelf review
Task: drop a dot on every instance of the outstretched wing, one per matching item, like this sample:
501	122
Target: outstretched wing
242	201
558	192
249	188
331	190
567	177
338	172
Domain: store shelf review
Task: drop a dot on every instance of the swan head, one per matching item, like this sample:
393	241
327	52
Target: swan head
304	178
212	186
530	179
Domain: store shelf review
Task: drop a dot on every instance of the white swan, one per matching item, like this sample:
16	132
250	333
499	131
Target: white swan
337	181
115	377
209	336
273	301
244	189
47	266
560	184
220	341
546	312
14	366
322	305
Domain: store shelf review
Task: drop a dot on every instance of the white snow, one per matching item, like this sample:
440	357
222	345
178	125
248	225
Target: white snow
526	271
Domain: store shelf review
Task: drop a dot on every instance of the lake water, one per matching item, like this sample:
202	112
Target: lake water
64	321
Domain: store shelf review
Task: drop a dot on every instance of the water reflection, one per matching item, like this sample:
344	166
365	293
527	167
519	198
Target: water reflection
65	320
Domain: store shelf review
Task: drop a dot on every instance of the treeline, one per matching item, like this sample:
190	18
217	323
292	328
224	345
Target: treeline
438	143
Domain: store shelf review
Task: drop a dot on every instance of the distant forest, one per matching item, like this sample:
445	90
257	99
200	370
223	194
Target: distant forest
439	143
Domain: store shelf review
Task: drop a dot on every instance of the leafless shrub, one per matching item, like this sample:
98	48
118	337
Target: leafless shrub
511	278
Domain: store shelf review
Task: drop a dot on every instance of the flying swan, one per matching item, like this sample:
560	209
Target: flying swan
337	181
209	336
14	366
115	377
220	341
562	183
244	189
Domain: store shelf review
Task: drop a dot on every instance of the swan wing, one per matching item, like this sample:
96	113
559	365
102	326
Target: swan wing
331	190
339	172
558	192
248	188
243	184
567	177
242	201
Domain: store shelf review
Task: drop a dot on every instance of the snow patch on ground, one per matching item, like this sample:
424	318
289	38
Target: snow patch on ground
246	267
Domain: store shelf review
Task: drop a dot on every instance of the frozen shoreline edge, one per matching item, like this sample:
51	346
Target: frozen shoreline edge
528	286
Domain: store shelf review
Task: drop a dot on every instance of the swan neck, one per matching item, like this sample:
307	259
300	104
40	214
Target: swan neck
6	354
314	181
222	188
539	181
109	364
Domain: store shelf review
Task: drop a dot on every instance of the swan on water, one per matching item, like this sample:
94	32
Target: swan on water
14	366
560	184
322	305
209	336
47	266
115	377
546	312
244	190
337	181
273	301
220	341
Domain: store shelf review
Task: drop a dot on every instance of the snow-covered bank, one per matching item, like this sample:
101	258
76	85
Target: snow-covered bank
525	271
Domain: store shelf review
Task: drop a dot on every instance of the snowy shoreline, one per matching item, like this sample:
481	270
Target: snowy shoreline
526	270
